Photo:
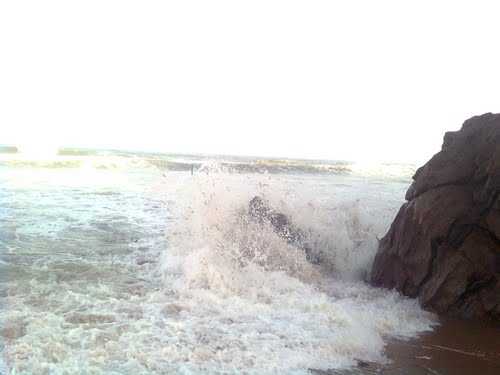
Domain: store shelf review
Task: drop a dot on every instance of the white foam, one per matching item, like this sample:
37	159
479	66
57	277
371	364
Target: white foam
227	295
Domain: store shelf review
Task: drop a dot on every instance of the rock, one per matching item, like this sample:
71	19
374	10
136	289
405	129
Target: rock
260	211
444	244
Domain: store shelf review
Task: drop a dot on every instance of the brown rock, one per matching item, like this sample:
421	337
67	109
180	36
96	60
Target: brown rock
444	244
493	222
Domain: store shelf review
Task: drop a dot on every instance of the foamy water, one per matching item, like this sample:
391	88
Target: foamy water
137	270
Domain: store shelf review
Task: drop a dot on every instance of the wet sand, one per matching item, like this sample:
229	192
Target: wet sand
456	347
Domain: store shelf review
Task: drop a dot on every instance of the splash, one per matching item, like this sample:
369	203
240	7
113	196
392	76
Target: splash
267	306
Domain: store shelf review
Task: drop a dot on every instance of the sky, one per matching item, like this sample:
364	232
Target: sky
351	80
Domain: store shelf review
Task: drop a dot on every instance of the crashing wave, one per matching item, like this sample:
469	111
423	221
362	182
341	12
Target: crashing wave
285	311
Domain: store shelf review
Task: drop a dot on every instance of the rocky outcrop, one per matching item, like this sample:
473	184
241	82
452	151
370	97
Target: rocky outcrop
444	244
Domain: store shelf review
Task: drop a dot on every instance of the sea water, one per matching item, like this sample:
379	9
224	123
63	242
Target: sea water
134	263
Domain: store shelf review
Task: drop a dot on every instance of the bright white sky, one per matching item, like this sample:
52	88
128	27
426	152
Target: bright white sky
366	80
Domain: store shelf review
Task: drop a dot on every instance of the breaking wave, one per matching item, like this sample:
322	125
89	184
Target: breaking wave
253	301
111	163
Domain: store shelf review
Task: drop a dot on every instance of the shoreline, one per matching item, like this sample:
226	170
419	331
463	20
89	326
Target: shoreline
457	347
454	347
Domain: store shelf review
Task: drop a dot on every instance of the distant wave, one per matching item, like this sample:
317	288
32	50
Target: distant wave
77	152
124	160
27	163
104	163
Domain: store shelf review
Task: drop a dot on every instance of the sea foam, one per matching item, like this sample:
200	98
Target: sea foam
108	294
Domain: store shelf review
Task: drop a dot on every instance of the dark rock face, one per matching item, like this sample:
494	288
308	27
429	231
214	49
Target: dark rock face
444	244
260	211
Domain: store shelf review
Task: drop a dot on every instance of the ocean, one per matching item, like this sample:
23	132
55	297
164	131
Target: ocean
115	262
